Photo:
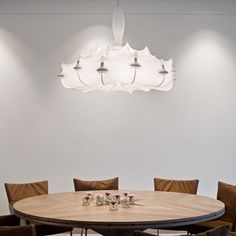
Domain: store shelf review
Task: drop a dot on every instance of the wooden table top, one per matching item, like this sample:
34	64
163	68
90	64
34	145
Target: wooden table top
151	209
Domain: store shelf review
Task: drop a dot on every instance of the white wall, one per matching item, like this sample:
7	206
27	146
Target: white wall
48	132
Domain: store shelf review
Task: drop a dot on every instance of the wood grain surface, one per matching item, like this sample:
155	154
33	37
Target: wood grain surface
151	209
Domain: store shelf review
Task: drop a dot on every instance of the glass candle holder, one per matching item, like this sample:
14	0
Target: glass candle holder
116	197
86	201
113	205
125	202
108	197
99	200
131	199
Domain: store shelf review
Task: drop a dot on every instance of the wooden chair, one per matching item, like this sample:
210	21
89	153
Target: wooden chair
90	185
220	231
10	226
19	191
227	194
179	186
85	185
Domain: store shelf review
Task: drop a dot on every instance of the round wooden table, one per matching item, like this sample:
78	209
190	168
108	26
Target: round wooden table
152	209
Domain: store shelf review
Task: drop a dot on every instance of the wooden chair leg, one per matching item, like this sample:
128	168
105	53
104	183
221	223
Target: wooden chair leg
82	232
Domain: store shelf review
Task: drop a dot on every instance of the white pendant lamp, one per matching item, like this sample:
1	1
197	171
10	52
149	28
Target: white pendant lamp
119	67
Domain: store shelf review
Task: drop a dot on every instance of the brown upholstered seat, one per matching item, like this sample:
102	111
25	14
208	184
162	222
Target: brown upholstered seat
201	227
227	194
220	231
17	192
85	185
10	226
9	220
27	230
180	186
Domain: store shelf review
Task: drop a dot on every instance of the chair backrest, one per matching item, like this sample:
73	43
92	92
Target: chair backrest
85	185
219	231
28	230
19	191
179	186
227	194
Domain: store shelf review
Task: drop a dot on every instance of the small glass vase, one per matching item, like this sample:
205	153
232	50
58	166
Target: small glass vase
116	197
131	199
113	205
86	201
125	202
90	194
108	197
99	200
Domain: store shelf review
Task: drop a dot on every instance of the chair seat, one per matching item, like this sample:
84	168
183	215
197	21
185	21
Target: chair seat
42	229
9	220
201	227
219	231
50	229
215	223
17	192
28	230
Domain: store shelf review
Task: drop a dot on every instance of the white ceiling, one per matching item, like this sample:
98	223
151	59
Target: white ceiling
106	6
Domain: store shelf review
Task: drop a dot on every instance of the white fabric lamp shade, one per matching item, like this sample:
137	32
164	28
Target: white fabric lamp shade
118	68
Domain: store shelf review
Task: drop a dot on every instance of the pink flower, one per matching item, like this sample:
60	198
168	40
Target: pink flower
125	199
89	194
113	202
